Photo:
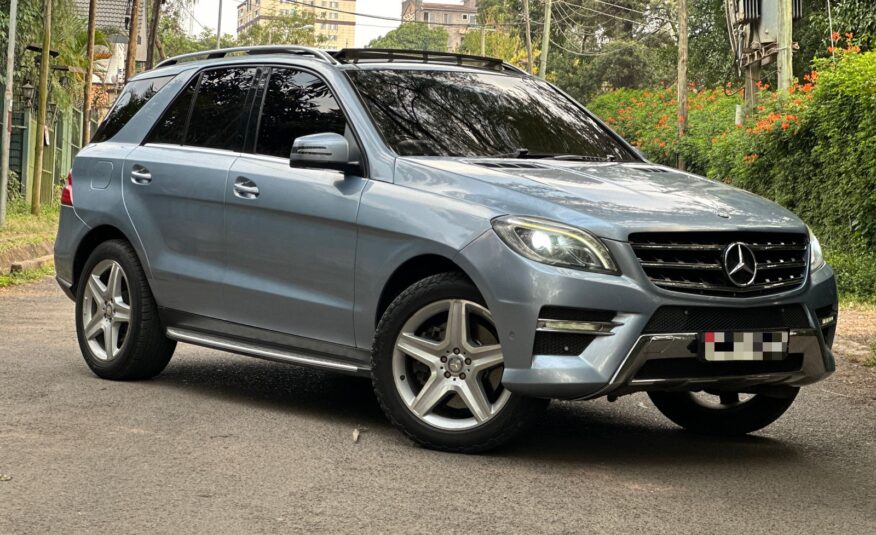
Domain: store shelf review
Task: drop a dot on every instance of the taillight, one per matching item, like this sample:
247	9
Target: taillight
67	192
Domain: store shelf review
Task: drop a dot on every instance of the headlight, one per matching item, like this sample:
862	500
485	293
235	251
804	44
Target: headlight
554	243
816	258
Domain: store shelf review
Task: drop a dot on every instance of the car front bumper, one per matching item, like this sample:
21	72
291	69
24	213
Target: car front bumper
516	290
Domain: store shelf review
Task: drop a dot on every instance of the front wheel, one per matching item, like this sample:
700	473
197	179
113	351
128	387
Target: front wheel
722	413
437	369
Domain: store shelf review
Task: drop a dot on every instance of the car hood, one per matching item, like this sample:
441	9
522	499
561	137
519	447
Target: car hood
610	199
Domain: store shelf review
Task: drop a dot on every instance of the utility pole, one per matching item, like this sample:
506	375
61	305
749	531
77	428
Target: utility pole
89	73
483	40
682	75
219	27
41	111
546	40
784	58
133	34
752	76
153	34
7	110
529	64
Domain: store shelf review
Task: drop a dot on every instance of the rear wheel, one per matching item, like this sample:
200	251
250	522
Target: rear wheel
722	413
117	323
437	369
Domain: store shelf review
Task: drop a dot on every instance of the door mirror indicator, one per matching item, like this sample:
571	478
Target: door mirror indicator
323	151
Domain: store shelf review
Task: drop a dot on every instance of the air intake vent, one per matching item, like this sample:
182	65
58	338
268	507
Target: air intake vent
694	262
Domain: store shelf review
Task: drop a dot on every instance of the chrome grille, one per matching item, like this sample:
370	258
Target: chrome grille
693	262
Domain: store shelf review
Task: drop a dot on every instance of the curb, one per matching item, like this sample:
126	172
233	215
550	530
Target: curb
31	265
24	255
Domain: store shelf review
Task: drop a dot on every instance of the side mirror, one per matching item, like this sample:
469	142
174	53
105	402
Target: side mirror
323	151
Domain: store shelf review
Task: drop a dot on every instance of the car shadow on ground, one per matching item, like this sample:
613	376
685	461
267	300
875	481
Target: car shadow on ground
624	433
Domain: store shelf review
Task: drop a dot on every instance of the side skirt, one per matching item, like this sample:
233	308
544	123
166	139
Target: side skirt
269	345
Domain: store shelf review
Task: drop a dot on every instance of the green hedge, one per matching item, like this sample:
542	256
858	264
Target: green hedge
811	149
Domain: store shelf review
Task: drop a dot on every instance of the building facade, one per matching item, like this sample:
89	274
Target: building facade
455	18
335	19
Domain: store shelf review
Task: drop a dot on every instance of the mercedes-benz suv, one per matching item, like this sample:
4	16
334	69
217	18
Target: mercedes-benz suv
464	234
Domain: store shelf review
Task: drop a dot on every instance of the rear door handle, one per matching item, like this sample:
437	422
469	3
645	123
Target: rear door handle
245	188
140	175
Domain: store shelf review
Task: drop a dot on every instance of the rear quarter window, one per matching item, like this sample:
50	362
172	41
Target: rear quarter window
133	97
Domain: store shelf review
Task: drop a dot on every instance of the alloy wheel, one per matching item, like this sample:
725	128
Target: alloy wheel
447	365
106	309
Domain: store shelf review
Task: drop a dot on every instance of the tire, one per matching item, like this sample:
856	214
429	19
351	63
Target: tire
727	418
400	380
137	348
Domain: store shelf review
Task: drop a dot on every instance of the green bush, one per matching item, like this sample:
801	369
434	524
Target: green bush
811	149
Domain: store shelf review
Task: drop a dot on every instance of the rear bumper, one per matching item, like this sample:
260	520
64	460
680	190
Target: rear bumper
613	363
71	231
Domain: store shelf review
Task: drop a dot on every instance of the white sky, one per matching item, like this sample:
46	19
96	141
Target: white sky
206	13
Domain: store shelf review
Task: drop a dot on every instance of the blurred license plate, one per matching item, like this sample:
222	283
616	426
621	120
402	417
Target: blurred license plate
726	346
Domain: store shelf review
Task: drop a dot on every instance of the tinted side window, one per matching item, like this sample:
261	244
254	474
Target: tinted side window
135	96
296	104
221	109
171	128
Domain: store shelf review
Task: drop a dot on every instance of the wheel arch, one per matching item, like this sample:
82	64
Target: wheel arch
90	242
410	271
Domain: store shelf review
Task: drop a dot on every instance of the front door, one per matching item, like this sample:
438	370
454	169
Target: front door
290	233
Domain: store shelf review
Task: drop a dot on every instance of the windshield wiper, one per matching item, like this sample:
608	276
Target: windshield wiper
582	158
525	154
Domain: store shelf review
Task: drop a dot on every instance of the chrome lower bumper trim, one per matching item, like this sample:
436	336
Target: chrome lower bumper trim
683	345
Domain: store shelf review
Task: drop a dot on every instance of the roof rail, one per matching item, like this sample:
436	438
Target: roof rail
366	55
250	51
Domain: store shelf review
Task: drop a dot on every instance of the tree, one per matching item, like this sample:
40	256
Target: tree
413	35
294	29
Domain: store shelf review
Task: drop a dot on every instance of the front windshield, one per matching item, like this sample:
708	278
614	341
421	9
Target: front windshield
452	113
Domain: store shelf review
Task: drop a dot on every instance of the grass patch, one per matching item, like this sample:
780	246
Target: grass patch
21	228
25	277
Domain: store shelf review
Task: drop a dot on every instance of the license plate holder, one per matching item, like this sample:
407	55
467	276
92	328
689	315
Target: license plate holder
743	346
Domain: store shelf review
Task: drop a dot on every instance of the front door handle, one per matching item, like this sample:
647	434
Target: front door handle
245	188
140	175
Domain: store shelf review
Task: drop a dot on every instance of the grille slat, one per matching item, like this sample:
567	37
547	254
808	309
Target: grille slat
693	262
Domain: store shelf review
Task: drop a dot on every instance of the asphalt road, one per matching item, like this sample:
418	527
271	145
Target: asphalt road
227	444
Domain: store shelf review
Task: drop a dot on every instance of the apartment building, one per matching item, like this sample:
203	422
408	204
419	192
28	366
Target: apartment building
455	18
335	21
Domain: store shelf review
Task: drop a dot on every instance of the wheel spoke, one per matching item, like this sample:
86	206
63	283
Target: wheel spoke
431	393
114	283
472	394
457	324
108	340
94	326
485	357
418	348
121	312
96	288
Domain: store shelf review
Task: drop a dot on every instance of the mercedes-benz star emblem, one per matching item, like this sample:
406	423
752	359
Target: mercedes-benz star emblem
740	264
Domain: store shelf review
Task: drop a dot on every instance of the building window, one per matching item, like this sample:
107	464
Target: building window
426	16
447	18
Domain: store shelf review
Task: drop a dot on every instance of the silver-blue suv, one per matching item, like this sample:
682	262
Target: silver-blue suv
465	234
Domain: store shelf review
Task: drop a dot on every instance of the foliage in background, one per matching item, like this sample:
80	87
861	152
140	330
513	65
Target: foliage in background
413	35
812	149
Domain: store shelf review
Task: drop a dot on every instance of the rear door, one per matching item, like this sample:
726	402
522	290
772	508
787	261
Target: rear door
291	232
174	187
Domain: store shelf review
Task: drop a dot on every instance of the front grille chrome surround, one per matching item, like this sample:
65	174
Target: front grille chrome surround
693	262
